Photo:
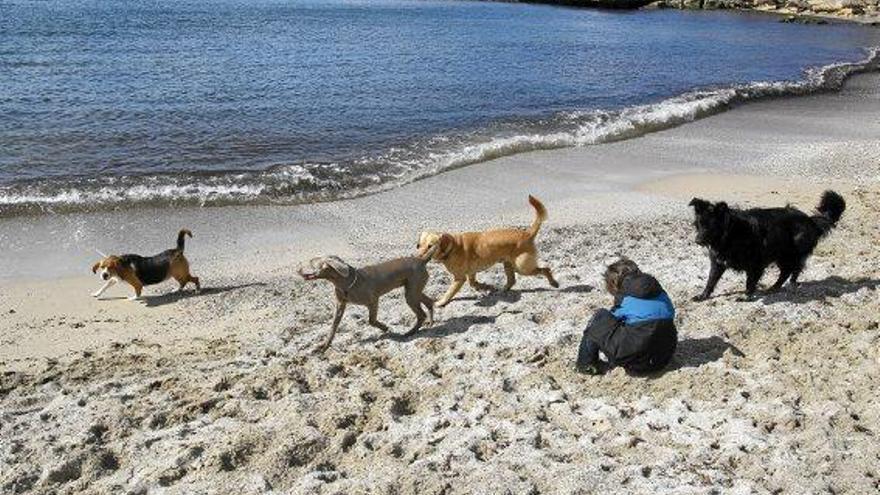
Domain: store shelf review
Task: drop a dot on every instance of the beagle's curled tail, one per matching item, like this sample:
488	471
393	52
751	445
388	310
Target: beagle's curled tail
181	239
540	216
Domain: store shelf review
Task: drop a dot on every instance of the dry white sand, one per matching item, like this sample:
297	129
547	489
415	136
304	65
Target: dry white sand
218	393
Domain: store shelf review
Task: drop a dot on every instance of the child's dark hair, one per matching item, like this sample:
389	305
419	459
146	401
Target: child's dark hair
616	272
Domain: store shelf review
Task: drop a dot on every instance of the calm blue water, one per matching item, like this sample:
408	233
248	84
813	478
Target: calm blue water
119	102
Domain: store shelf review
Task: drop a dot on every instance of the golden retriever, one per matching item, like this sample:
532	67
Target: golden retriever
467	253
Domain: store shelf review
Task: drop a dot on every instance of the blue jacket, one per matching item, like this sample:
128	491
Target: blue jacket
632	310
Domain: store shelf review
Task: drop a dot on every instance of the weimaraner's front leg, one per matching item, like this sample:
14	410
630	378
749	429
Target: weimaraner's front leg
374	311
340	310
453	290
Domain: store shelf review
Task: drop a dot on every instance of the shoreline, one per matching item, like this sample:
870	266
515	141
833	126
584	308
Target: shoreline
64	245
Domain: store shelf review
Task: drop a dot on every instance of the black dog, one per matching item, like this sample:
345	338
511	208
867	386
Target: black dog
751	240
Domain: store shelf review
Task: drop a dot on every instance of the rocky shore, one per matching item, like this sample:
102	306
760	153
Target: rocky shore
866	11
808	11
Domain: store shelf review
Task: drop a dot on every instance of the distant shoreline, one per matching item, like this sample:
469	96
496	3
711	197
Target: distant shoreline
806	15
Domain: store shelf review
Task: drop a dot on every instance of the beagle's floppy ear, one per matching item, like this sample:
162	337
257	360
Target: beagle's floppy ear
95	267
338	265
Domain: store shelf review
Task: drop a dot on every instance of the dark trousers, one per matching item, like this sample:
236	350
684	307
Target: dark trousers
588	352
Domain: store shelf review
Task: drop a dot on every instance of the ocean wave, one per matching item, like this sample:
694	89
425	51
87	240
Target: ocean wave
313	182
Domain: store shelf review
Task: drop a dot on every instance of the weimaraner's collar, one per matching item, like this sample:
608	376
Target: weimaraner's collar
354	281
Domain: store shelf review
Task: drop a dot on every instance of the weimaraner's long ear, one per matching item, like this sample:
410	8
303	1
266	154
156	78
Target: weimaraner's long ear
338	265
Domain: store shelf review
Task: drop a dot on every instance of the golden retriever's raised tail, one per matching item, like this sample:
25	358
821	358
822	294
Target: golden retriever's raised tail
540	217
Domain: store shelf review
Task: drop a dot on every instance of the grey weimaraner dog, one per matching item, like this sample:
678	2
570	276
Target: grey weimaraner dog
366	285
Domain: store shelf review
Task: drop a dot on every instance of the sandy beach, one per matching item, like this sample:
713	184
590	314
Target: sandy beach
218	392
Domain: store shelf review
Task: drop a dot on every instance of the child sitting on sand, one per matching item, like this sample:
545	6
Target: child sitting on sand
638	333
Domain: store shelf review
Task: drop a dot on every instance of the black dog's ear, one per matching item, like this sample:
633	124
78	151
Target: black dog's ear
721	207
699	204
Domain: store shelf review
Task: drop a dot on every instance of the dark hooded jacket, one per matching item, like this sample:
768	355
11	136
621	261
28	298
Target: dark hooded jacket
639	332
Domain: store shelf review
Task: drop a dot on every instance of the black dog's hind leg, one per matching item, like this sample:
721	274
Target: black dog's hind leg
797	272
753	276
715	272
785	271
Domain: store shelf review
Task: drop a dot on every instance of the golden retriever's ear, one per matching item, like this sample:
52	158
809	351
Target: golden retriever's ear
95	267
446	243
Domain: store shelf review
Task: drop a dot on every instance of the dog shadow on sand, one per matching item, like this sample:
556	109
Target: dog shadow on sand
173	297
819	290
446	328
461	324
490	299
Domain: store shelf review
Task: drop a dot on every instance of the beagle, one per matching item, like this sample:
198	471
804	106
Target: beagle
139	271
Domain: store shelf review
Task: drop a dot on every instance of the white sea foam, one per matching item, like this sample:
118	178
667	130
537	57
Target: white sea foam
317	182
595	127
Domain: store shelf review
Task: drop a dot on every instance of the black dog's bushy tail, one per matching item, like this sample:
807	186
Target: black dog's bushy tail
181	239
830	209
